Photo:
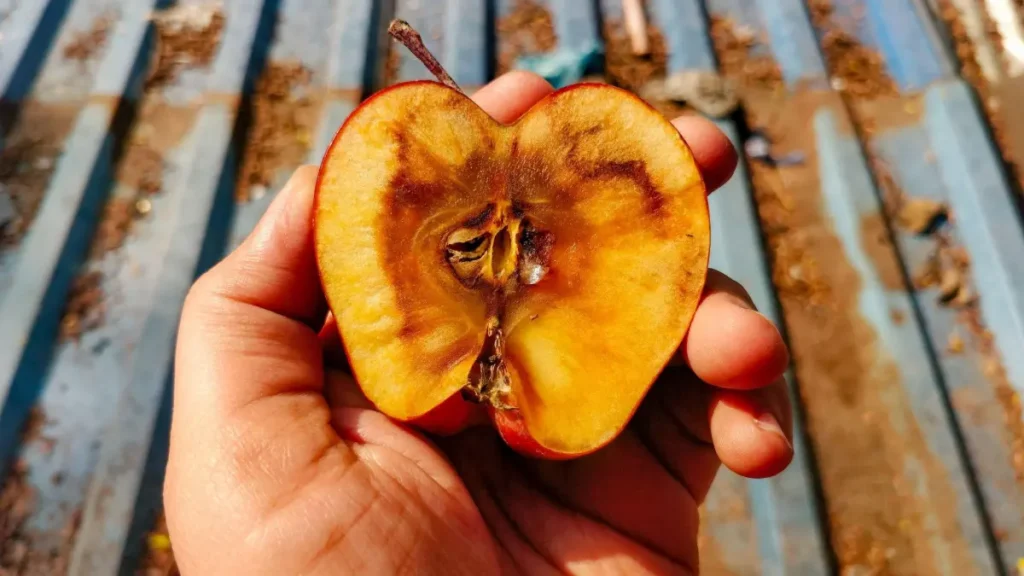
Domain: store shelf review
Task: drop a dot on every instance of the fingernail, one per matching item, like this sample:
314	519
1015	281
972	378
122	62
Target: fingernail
769	423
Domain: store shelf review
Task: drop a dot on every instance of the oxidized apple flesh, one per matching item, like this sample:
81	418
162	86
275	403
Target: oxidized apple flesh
550	267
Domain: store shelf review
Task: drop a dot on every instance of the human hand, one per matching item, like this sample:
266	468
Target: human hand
278	465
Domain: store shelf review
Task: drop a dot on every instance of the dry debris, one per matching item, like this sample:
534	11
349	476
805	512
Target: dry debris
86	44
27	161
741	55
280	136
922	215
527	29
84	309
187	36
856	70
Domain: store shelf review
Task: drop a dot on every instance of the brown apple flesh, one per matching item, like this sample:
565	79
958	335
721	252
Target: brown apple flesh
547	269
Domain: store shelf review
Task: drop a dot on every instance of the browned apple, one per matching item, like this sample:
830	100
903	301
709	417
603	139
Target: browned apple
546	269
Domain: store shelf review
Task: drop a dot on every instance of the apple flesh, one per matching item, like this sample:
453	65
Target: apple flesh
547	269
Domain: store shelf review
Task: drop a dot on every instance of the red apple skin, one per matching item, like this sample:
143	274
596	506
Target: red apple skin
456	414
451	417
512	429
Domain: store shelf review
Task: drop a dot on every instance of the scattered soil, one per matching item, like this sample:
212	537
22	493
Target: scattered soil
949	267
877	243
626	70
27	161
739	57
527	29
159	557
282	127
860	423
856	70
158	128
992	99
86	44
17	503
186	37
849	387
85	308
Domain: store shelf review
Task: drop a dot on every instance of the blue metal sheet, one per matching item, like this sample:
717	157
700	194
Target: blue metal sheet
26	32
297	39
55	244
946	155
988	226
75	390
785	509
792	40
850	199
466	44
455	31
683	22
575	23
200	194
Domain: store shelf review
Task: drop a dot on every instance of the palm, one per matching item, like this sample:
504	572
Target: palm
280	466
369	496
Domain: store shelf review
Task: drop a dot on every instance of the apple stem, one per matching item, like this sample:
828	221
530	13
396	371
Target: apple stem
403	32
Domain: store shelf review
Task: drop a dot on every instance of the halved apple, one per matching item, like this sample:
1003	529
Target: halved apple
547	269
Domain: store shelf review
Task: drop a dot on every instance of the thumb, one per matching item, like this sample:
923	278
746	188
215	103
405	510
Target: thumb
246	330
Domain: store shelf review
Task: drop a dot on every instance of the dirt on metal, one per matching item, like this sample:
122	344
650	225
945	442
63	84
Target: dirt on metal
998	101
949	267
86	44
282	126
627	70
527	29
860	423
187	36
32	147
17	504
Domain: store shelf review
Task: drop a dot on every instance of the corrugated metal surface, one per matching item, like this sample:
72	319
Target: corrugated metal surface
940	411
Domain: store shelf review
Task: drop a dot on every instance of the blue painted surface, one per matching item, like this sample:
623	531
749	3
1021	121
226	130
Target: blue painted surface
850	198
988	226
947	156
793	43
689	46
44	263
109	506
785	508
26	33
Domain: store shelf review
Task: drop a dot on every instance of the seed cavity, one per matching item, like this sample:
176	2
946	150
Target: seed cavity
488	381
498	252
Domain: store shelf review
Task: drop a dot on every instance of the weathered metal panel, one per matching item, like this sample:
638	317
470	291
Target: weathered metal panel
26	32
929	141
110	502
848	190
44	262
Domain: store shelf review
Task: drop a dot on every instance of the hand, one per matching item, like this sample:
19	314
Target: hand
278	464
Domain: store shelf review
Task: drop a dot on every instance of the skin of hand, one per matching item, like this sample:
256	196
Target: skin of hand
278	464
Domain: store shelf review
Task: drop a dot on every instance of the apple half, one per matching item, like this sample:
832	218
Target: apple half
547	269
